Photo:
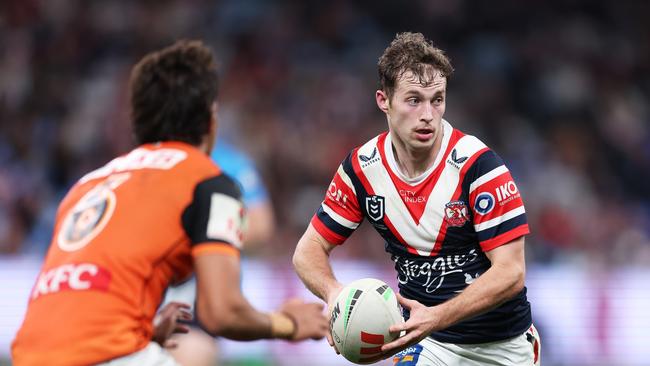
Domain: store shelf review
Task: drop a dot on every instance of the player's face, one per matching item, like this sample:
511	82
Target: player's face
415	111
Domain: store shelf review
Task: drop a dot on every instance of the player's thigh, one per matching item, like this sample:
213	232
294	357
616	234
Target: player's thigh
518	351
152	355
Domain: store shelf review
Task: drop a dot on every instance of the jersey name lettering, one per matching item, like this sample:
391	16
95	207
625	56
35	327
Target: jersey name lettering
139	159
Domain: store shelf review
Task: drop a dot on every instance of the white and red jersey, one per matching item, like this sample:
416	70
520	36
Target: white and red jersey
437	226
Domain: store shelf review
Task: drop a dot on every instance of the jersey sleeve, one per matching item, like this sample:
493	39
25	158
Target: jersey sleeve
498	210
339	214
213	220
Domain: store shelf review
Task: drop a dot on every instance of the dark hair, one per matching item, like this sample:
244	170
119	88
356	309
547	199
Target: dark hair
172	91
411	52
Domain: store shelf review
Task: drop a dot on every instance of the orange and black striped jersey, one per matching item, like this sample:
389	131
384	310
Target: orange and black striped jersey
123	233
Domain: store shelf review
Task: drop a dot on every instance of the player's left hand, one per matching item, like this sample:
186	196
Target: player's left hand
166	323
421	323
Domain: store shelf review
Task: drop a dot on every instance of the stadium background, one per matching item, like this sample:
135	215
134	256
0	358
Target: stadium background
559	88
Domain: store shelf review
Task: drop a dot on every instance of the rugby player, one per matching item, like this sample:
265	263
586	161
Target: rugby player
451	217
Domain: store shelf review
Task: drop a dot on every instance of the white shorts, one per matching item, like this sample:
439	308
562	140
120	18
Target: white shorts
152	355
523	350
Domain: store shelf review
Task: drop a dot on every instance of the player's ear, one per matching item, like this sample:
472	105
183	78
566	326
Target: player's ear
383	101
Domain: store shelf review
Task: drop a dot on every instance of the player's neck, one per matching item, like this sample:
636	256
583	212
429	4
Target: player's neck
414	162
207	144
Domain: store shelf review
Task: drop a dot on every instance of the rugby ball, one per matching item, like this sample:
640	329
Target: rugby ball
360	318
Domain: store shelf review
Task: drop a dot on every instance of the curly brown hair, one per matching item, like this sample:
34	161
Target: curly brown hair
411	52
172	91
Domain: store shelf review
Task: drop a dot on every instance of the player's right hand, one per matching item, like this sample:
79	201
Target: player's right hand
308	317
331	302
166	323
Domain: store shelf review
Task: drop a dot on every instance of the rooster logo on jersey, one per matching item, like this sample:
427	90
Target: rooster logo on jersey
456	213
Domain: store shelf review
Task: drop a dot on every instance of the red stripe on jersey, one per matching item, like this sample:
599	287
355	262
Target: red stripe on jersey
328	234
366	184
505	193
505	238
342	200
442	233
423	189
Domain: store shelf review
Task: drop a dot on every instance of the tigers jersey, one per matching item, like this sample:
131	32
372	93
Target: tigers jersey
436	227
122	234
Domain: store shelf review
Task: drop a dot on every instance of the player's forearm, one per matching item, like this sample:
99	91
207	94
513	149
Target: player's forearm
312	265
236	320
497	285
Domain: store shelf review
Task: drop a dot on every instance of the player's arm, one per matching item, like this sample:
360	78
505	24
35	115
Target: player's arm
311	261
500	283
223	310
338	216
213	223
336	219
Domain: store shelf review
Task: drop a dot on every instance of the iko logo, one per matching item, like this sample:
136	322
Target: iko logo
375	207
454	160
367	160
484	203
504	191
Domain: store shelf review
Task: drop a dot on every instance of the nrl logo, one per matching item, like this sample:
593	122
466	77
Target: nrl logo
375	207
454	160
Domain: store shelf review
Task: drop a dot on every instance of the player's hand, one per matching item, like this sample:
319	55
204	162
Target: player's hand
421	323
308	317
330	306
166	323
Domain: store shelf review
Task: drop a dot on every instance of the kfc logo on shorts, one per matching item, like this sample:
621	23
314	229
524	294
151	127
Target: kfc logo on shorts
456	213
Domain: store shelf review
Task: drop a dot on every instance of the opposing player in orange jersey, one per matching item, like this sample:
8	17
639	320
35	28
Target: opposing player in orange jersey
144	220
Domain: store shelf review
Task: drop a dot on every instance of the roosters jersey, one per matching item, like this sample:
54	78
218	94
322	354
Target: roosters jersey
122	234
436	227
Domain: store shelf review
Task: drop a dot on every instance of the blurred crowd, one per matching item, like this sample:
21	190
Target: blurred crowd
560	89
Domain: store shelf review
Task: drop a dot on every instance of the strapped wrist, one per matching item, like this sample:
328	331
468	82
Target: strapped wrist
283	325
